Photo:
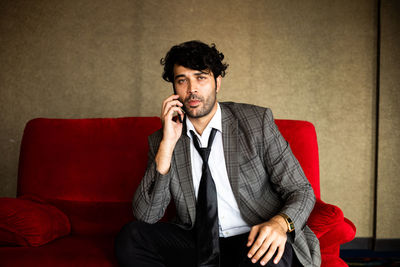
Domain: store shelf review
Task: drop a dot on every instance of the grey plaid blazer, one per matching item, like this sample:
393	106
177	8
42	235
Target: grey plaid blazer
264	175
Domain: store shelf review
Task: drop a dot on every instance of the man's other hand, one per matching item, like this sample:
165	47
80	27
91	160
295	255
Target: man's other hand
267	238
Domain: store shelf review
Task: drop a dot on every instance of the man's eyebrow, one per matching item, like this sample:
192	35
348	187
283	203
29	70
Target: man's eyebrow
179	76
196	73
201	73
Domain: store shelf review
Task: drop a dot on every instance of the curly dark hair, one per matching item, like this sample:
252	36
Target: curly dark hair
194	55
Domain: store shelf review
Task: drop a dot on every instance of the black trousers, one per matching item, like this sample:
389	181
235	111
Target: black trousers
139	244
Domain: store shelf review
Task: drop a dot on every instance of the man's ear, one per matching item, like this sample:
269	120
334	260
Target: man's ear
218	85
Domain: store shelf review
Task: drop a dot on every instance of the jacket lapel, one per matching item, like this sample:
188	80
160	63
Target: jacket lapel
230	140
184	167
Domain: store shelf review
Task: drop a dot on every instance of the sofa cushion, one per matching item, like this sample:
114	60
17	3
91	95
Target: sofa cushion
28	221
100	218
95	218
72	250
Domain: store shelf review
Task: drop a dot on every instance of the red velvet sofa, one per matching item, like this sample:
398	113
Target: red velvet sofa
76	180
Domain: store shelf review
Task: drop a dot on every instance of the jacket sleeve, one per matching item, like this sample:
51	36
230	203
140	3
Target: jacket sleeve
153	195
286	174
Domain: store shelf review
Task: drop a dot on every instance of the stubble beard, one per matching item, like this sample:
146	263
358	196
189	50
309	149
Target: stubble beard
208	105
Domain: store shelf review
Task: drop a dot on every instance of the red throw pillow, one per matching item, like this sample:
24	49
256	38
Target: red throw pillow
29	221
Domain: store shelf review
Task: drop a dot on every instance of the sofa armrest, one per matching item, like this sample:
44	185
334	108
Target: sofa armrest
29	221
324	218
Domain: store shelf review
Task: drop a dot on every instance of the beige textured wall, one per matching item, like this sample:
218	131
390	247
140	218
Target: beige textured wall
389	120
311	59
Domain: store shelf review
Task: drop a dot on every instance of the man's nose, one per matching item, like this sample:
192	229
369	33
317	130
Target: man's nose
192	86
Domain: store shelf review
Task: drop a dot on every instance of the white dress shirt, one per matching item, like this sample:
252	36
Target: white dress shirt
231	222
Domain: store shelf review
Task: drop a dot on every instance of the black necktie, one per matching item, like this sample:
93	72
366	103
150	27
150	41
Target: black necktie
206	224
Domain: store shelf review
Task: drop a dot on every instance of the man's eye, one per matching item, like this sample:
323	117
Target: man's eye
181	81
202	78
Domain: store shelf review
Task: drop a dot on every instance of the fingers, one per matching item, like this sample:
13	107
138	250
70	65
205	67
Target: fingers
267	243
170	112
278	257
168	99
261	246
271	251
267	250
257	244
170	102
172	129
171	105
252	235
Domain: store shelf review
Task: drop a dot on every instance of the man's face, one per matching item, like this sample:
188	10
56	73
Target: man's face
197	91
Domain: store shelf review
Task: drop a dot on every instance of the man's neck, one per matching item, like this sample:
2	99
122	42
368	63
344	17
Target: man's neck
201	123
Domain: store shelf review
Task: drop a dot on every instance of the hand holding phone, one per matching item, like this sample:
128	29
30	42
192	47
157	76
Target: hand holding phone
172	131
172	126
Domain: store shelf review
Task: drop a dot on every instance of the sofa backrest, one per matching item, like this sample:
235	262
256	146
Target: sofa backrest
84	159
302	138
90	168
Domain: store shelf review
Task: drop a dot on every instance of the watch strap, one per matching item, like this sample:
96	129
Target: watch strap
289	222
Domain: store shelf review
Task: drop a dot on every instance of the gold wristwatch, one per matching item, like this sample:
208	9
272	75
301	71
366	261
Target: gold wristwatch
289	222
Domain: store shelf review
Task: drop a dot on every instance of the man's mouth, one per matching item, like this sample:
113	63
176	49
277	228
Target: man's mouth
193	102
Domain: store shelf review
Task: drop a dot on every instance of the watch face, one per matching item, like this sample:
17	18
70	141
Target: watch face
291	226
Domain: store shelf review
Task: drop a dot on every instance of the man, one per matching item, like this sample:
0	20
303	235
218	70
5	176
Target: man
241	196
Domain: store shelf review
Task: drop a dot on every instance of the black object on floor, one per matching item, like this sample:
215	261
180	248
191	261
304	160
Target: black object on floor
370	258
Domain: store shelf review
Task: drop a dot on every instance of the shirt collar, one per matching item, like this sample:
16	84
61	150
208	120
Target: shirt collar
215	122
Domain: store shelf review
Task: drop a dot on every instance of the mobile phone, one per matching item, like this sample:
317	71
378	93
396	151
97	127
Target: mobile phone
182	108
179	116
